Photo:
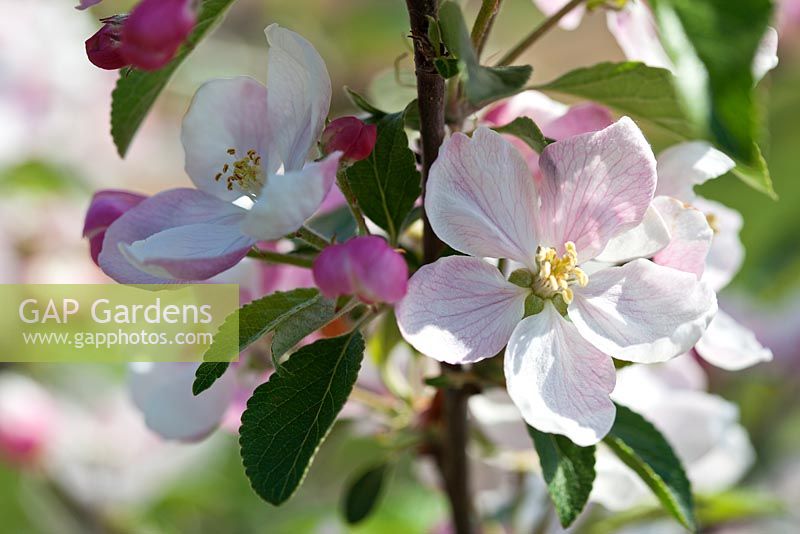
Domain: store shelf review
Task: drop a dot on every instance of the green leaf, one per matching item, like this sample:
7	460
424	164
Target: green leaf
642	448
526	130
298	325
288	417
387	183
719	37
632	88
568	470
137	90
447	67
254	321
482	84
736	505
363	104
757	177
364	493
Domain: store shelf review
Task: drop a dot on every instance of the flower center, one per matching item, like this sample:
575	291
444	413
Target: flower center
556	274
713	222
245	173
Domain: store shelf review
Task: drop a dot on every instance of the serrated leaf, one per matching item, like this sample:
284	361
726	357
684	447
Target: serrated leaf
720	37
363	104
633	88
568	470
287	418
299	325
255	320
364	493
525	129
482	84
137	90
387	183
641	447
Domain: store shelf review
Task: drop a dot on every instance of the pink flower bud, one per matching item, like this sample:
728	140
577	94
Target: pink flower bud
154	31
107	206
27	418
352	136
366	267
104	48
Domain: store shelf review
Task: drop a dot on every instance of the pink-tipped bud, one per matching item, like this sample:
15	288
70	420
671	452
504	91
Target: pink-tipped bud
27	419
366	267
104	47
106	207
350	135
154	31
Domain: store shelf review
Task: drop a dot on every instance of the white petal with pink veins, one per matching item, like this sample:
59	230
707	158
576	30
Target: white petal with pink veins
690	236
730	346
460	310
163	393
559	382
595	186
685	165
225	114
643	312
288	200
299	96
641	241
481	198
727	251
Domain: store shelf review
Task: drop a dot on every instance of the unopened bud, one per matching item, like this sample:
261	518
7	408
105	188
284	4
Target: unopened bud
350	135
106	207
366	267
104	47
154	31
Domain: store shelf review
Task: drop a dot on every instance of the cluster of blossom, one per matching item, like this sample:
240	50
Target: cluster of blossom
605	251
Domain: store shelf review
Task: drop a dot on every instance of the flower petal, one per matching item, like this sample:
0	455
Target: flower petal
532	104
726	254
288	200
182	234
690	236
481	198
637	35
730	346
163	393
643	312
559	382
225	114
299	96
579	119
766	57
641	241
595	186
460	310
685	165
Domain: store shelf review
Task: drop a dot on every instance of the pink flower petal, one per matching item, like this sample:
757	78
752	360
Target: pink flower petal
460	310
641	241
643	312
179	234
635	31
595	186
154	31
288	200
226	114
690	236
106	207
299	96
560	382
730	346
481	199
685	165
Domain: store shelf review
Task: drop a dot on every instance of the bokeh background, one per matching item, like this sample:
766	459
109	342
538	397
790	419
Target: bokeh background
106	471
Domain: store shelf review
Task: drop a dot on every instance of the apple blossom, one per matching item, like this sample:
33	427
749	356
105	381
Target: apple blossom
155	29
366	267
246	150
104	47
726	343
351	136
27	419
562	316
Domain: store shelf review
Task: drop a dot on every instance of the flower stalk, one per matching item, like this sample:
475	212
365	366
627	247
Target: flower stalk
280	258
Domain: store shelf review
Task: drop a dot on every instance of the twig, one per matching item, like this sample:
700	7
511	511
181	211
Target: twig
352	201
483	23
540	30
277	257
